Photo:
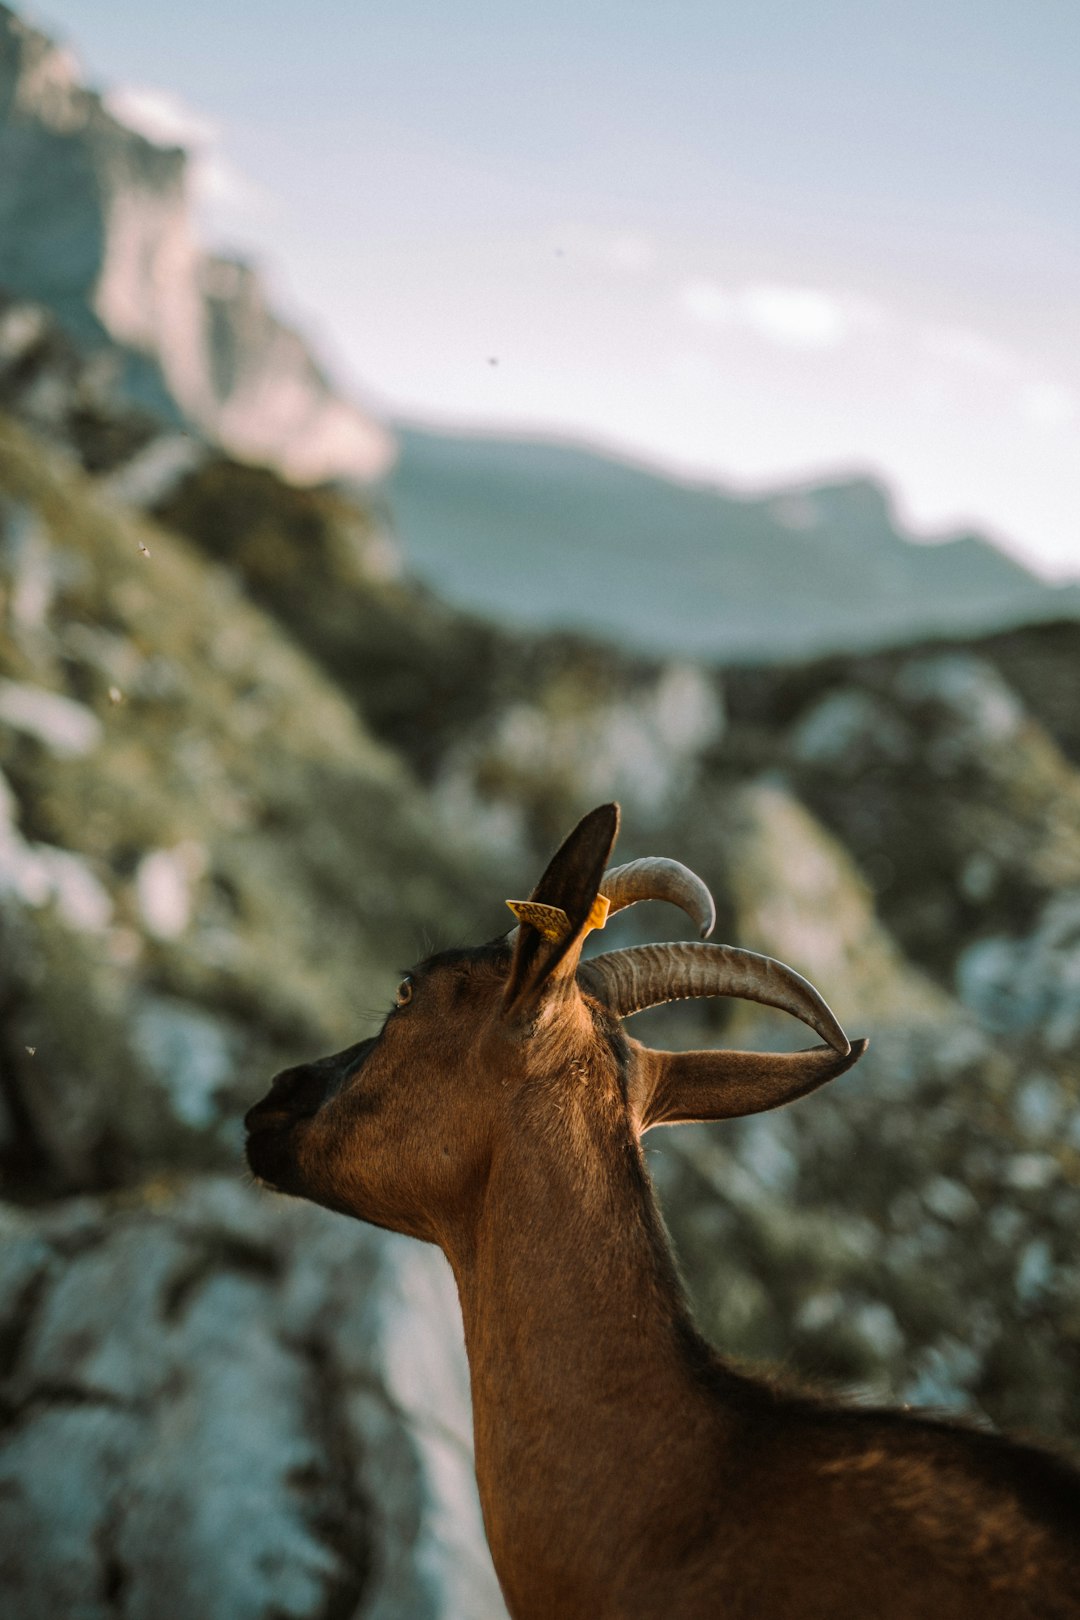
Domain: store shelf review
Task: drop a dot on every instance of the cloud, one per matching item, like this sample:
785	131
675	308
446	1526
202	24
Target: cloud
1041	402
162	117
795	317
689	368
790	317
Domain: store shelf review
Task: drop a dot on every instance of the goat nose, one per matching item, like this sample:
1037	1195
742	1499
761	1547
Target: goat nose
297	1093
301	1090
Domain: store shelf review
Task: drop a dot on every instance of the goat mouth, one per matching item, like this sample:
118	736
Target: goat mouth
270	1150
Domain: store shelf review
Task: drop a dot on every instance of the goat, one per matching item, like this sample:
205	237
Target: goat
625	1469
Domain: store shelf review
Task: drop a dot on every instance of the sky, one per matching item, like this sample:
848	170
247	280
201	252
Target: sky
756	242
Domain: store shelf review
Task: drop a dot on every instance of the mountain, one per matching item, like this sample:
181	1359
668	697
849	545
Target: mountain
545	534
96	224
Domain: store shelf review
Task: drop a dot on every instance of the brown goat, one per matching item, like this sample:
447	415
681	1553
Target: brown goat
624	1469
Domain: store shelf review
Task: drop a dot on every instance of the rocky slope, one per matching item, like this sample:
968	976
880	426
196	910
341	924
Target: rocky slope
96	224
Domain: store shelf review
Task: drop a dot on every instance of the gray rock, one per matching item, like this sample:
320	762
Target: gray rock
224	1404
1030	984
849	728
61	1473
192	1053
982	708
68	728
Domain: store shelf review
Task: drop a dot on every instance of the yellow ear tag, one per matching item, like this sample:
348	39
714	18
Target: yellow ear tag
598	916
549	921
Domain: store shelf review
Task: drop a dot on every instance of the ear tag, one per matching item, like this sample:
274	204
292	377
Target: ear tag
551	922
598	916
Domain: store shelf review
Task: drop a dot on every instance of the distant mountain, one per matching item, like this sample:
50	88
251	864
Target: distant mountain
545	534
96	224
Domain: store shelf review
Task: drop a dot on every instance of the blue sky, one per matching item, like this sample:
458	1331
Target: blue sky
752	241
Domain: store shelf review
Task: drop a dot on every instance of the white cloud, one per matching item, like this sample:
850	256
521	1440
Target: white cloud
689	368
162	117
795	317
791	317
1042	403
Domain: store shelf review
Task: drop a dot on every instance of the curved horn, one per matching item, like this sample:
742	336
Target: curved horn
657	879
647	975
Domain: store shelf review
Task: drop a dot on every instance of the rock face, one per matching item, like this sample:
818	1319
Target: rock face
223	1406
95	223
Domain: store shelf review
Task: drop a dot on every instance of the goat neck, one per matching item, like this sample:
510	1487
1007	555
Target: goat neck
580	1345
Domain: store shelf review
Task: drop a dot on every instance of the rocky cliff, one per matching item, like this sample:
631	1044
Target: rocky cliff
96	223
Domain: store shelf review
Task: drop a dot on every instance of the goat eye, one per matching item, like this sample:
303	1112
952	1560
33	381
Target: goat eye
404	992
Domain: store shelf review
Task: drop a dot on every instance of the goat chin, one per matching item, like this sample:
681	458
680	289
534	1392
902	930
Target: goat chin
272	1160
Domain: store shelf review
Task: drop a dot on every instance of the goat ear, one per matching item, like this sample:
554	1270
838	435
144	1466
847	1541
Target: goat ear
553	922
674	1088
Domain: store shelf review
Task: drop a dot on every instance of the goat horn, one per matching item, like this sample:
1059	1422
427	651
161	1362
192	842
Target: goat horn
647	975
657	879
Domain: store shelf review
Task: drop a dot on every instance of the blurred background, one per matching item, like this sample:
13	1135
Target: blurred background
418	425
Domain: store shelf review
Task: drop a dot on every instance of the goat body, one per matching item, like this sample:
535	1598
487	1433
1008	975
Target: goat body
625	1470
